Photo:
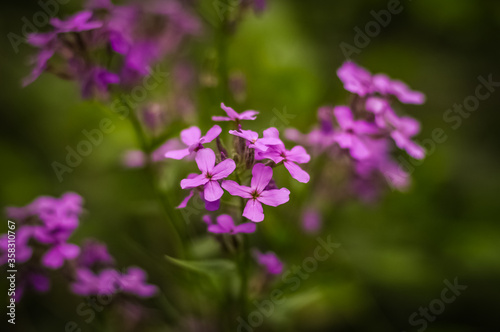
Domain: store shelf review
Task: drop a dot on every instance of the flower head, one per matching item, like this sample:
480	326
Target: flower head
192	138
225	224
210	174
233	116
269	261
257	193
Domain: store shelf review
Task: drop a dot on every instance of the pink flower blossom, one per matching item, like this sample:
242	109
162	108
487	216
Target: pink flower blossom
290	158
225	224
233	116
269	261
192	138
257	193
254	141
210	174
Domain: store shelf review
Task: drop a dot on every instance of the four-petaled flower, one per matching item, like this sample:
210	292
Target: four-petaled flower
269	261
192	138
254	141
210	174
232	115
225	224
290	158
257	193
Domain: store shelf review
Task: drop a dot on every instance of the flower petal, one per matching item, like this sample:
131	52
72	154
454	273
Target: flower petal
254	211
191	135
212	134
236	190
221	118
248	227
261	175
230	112
223	169
213	191
274	197
298	154
205	159
296	172
185	200
248	115
225	221
200	180
177	154
216	229
344	117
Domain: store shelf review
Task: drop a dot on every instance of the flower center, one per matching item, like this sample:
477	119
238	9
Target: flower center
209	175
255	194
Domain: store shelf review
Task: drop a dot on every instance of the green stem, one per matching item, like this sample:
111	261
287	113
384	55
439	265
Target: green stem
172	221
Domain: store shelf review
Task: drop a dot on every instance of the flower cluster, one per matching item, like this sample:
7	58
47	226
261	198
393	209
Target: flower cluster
41	244
250	152
366	130
108	44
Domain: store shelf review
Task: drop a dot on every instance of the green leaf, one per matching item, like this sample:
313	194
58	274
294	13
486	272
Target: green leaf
209	267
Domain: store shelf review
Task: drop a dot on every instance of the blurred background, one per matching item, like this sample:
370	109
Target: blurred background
395	254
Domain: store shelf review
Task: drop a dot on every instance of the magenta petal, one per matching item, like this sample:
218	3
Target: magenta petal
236	190
225	221
205	159
221	118
298	154
200	180
185	200
207	219
248	227
223	169
69	250
213	191
254	211
344	117
261	175
217	229
248	115
191	135
53	258
212	206
274	197
296	172
249	135
177	154
212	134
271	133
230	112
358	149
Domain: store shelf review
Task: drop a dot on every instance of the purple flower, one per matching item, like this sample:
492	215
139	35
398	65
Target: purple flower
192	138
225	224
311	220
134	282
93	253
353	134
361	82
205	159
290	158
95	80
23	250
78	22
257	193
34	280
253	138
269	261
54	258
233	116
210	206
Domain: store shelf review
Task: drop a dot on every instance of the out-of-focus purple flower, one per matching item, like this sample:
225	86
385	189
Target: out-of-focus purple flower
211	174
23	251
134	159
361	82
290	158
210	206
269	261
54	258
134	282
232	115
259	6
110	281
94	253
78	22
353	133
257	193
311	220
253	138
31	280
225	225
95	80
192	138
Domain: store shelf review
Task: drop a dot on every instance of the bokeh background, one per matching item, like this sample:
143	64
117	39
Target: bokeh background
394	254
